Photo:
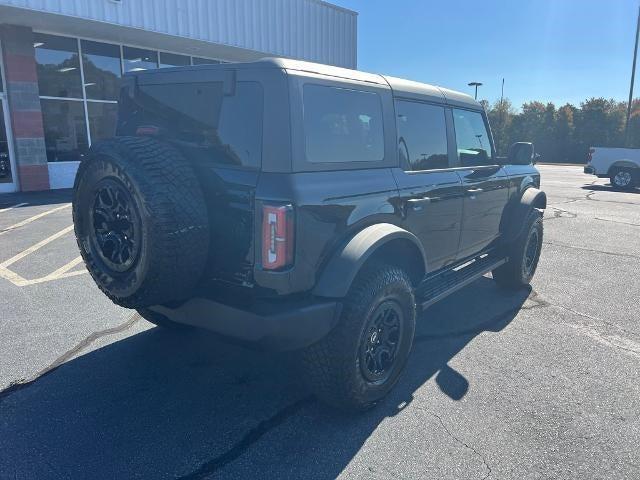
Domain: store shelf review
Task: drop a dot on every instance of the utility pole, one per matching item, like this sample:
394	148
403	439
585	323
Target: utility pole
633	77
475	84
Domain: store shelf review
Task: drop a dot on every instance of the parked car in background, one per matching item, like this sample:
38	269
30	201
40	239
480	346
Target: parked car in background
621	165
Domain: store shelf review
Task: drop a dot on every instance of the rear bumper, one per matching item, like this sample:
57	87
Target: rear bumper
276	326
588	169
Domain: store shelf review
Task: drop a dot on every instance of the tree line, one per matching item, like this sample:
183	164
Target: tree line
564	134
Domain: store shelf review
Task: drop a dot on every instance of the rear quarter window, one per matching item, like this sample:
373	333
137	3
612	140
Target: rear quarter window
342	125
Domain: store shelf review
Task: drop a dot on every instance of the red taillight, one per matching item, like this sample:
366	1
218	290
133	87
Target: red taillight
277	236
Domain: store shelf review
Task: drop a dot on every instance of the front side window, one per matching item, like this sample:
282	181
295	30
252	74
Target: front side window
422	135
58	66
472	138
342	125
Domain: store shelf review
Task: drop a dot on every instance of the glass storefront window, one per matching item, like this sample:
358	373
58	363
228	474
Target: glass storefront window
204	61
58	66
102	120
65	131
102	70
173	60
137	59
5	163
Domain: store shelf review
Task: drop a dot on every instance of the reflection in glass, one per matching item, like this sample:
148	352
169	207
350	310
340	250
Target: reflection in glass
342	125
138	59
58	66
422	135
204	61
101	64
65	133
472	137
173	60
102	120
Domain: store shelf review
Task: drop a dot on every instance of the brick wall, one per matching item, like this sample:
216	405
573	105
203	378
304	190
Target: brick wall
24	107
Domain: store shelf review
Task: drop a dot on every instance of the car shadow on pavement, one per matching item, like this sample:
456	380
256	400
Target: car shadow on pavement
164	404
609	188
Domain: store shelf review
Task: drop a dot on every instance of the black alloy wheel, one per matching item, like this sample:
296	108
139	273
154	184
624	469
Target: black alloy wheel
116	229
379	344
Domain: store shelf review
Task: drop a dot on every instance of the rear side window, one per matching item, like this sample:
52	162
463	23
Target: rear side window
472	137
342	125
223	129
422	135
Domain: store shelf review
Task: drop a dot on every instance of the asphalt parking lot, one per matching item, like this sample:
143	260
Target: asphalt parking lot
544	383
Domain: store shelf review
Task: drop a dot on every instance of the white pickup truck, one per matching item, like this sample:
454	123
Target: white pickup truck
621	165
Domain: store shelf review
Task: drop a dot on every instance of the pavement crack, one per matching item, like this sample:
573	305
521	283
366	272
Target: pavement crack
584	249
66	356
247	441
464	444
560	213
610	339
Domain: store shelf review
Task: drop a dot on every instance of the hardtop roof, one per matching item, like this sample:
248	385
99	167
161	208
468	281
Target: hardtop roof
401	87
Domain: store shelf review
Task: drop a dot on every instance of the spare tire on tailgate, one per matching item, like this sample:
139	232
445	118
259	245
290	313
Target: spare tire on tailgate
140	221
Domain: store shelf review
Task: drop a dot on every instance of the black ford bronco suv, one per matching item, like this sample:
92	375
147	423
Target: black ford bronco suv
303	207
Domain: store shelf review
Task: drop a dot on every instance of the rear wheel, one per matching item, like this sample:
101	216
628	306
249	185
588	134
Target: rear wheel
361	359
622	178
140	221
523	255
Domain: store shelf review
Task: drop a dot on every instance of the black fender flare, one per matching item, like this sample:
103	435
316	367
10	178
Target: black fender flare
515	221
339	273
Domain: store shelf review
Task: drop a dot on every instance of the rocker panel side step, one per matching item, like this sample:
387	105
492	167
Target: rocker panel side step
435	288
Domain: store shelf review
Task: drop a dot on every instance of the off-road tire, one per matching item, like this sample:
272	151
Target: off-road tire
161	321
168	206
623	178
518	271
332	367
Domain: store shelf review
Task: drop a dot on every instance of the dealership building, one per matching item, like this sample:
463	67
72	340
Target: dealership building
61	62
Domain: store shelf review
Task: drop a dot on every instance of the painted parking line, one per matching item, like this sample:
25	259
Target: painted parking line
34	218
12	207
62	272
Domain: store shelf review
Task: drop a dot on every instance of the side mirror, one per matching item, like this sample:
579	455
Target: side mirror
521	153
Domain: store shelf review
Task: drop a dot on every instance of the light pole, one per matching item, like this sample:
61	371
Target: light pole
475	84
633	75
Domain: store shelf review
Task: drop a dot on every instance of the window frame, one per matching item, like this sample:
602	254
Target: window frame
406	166
300	163
483	114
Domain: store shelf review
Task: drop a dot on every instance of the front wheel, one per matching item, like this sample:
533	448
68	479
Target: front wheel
523	254
361	359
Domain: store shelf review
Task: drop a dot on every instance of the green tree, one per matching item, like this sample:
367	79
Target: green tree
500	116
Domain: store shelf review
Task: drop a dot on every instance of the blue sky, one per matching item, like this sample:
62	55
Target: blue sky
548	50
